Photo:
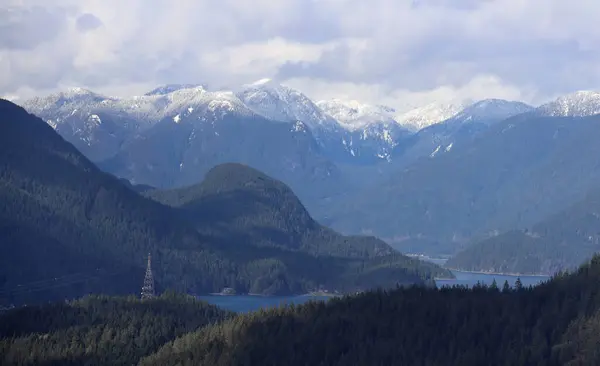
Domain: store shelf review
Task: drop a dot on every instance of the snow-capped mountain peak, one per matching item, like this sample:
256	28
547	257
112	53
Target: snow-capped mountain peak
66	101
419	118
282	103
197	99
353	115
491	110
578	104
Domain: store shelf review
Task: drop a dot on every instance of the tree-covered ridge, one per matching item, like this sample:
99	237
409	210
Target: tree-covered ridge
99	330
562	241
245	208
264	212
67	229
545	325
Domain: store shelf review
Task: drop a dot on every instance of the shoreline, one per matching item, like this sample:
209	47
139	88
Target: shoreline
272	296
500	273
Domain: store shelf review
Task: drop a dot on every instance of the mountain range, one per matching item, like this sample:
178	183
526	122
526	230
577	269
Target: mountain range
346	131
433	180
67	228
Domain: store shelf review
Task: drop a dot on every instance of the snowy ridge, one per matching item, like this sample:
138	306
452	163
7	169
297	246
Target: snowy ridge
346	130
281	103
434	113
491	110
169	88
67	101
578	104
148	109
353	115
370	129
201	101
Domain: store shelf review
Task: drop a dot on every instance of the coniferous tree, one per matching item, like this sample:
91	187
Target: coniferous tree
494	285
506	286
518	284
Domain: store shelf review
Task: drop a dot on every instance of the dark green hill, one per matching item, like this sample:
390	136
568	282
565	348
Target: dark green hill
262	211
251	213
99	330
68	229
562	241
416	326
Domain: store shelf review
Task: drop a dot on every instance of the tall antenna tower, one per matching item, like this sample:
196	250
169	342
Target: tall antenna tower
148	288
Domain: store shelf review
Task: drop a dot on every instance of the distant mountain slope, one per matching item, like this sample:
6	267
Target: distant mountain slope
501	180
179	150
67	228
561	241
459	129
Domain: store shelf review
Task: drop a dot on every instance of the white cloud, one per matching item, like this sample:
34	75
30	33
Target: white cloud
400	52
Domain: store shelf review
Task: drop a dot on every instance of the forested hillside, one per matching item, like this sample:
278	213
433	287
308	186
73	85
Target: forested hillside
99	330
561	241
555	323
251	213
68	229
264	212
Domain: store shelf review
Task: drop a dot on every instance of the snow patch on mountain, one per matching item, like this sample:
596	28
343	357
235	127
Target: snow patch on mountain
299	127
95	119
434	152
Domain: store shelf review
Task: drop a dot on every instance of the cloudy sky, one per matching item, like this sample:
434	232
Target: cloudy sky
398	52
